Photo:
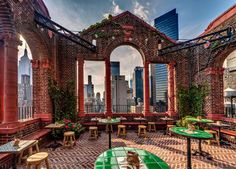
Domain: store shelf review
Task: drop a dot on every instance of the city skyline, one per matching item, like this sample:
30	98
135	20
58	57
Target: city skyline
191	25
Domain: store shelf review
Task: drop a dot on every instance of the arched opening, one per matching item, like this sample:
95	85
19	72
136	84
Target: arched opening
25	81
94	99
126	80
229	66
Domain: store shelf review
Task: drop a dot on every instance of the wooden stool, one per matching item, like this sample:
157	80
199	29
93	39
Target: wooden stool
168	129
215	135
121	130
30	152
37	159
93	132
151	126
107	127
142	131
69	139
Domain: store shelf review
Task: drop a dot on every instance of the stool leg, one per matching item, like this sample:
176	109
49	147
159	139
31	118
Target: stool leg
47	163
37	166
28	166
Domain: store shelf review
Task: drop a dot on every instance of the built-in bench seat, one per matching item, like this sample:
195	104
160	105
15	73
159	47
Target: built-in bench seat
5	159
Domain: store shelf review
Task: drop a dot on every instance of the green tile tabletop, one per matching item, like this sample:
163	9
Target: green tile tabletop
198	134
195	120
116	158
107	121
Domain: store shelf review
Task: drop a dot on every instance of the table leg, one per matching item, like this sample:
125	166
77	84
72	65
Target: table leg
188	153
109	134
165	133
14	161
219	135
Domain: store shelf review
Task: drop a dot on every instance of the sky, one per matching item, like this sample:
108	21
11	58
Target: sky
76	15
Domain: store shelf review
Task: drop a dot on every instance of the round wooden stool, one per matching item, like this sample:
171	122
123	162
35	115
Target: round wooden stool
121	130
142	131
69	139
168	129
37	159
151	126
93	132
215	135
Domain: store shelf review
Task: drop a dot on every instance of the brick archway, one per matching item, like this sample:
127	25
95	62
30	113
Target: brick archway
17	22
126	29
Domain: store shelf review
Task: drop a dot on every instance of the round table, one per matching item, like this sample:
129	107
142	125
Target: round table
166	119
196	134
109	123
199	122
219	126
116	158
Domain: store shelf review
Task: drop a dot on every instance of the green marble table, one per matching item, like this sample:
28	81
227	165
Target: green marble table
116	158
195	120
196	134
109	122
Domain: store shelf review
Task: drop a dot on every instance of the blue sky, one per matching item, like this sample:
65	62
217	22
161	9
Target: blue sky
75	15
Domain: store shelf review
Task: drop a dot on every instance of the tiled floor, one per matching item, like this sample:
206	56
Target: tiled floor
170	149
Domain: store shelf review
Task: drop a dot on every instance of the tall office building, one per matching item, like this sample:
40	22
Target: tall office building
115	68
137	83
168	24
25	81
119	89
89	90
24	67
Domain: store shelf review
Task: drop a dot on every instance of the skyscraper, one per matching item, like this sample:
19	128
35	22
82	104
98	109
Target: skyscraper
24	66
137	83
168	24
89	89
115	68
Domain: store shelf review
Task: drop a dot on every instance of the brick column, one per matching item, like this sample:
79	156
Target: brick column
146	90
108	111
41	99
81	86
214	104
8	80
1	82
171	90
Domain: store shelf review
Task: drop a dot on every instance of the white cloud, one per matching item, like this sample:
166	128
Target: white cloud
115	9
140	11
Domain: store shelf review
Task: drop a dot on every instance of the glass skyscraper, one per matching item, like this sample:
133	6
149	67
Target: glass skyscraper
168	24
137	83
115	68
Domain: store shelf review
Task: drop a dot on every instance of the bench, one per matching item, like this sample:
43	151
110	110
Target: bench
6	158
230	135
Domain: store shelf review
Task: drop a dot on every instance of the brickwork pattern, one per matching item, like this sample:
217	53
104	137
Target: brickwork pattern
170	149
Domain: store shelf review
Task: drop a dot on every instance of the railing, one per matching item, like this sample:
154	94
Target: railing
230	113
121	108
25	112
94	108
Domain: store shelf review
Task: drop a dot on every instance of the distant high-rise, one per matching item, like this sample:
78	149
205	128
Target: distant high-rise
115	68
24	66
137	83
89	90
119	89
168	24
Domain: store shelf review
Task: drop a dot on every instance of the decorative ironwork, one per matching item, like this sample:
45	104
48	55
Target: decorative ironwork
58	29
211	39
